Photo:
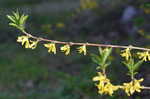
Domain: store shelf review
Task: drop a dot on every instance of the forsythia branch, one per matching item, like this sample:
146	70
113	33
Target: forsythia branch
148	88
87	44
104	84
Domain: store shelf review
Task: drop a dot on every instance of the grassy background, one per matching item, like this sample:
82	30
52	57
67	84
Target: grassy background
36	74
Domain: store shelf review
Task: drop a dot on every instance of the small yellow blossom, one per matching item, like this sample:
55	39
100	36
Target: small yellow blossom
100	77
126	53
33	44
24	40
141	31
66	49
104	86
133	86
86	4
108	89
60	25
144	55
82	49
51	47
147	11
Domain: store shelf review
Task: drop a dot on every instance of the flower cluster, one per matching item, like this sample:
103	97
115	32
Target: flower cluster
144	55
66	48
104	85
85	4
133	86
126	53
24	40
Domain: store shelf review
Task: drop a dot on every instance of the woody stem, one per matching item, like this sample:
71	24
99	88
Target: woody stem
87	44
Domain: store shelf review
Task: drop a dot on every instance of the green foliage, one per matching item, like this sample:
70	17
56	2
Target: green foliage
132	67
139	21
16	66
101	60
17	20
146	5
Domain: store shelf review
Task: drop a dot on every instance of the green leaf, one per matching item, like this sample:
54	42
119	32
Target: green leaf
14	25
96	59
106	53
16	15
100	51
12	18
107	64
132	66
137	65
129	64
98	67
17	20
126	64
23	19
101	60
135	73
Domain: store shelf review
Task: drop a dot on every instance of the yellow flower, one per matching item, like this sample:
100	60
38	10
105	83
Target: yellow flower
141	31
51	47
133	86
109	89
126	53
33	44
144	55
100	77
104	86
85	4
147	11
82	49
24	40
66	49
60	25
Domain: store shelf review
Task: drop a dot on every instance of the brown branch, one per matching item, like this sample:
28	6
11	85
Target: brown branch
87	44
148	88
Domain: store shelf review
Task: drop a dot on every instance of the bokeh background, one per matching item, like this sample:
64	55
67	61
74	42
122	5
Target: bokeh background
36	74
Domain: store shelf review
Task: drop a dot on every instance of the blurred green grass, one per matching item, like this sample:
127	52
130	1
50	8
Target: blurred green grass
51	77
18	66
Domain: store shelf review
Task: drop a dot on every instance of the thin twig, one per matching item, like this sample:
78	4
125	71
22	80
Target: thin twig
87	44
148	88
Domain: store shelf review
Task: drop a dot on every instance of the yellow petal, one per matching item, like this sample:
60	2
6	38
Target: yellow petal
33	44
51	47
66	49
82	49
96	78
126	53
